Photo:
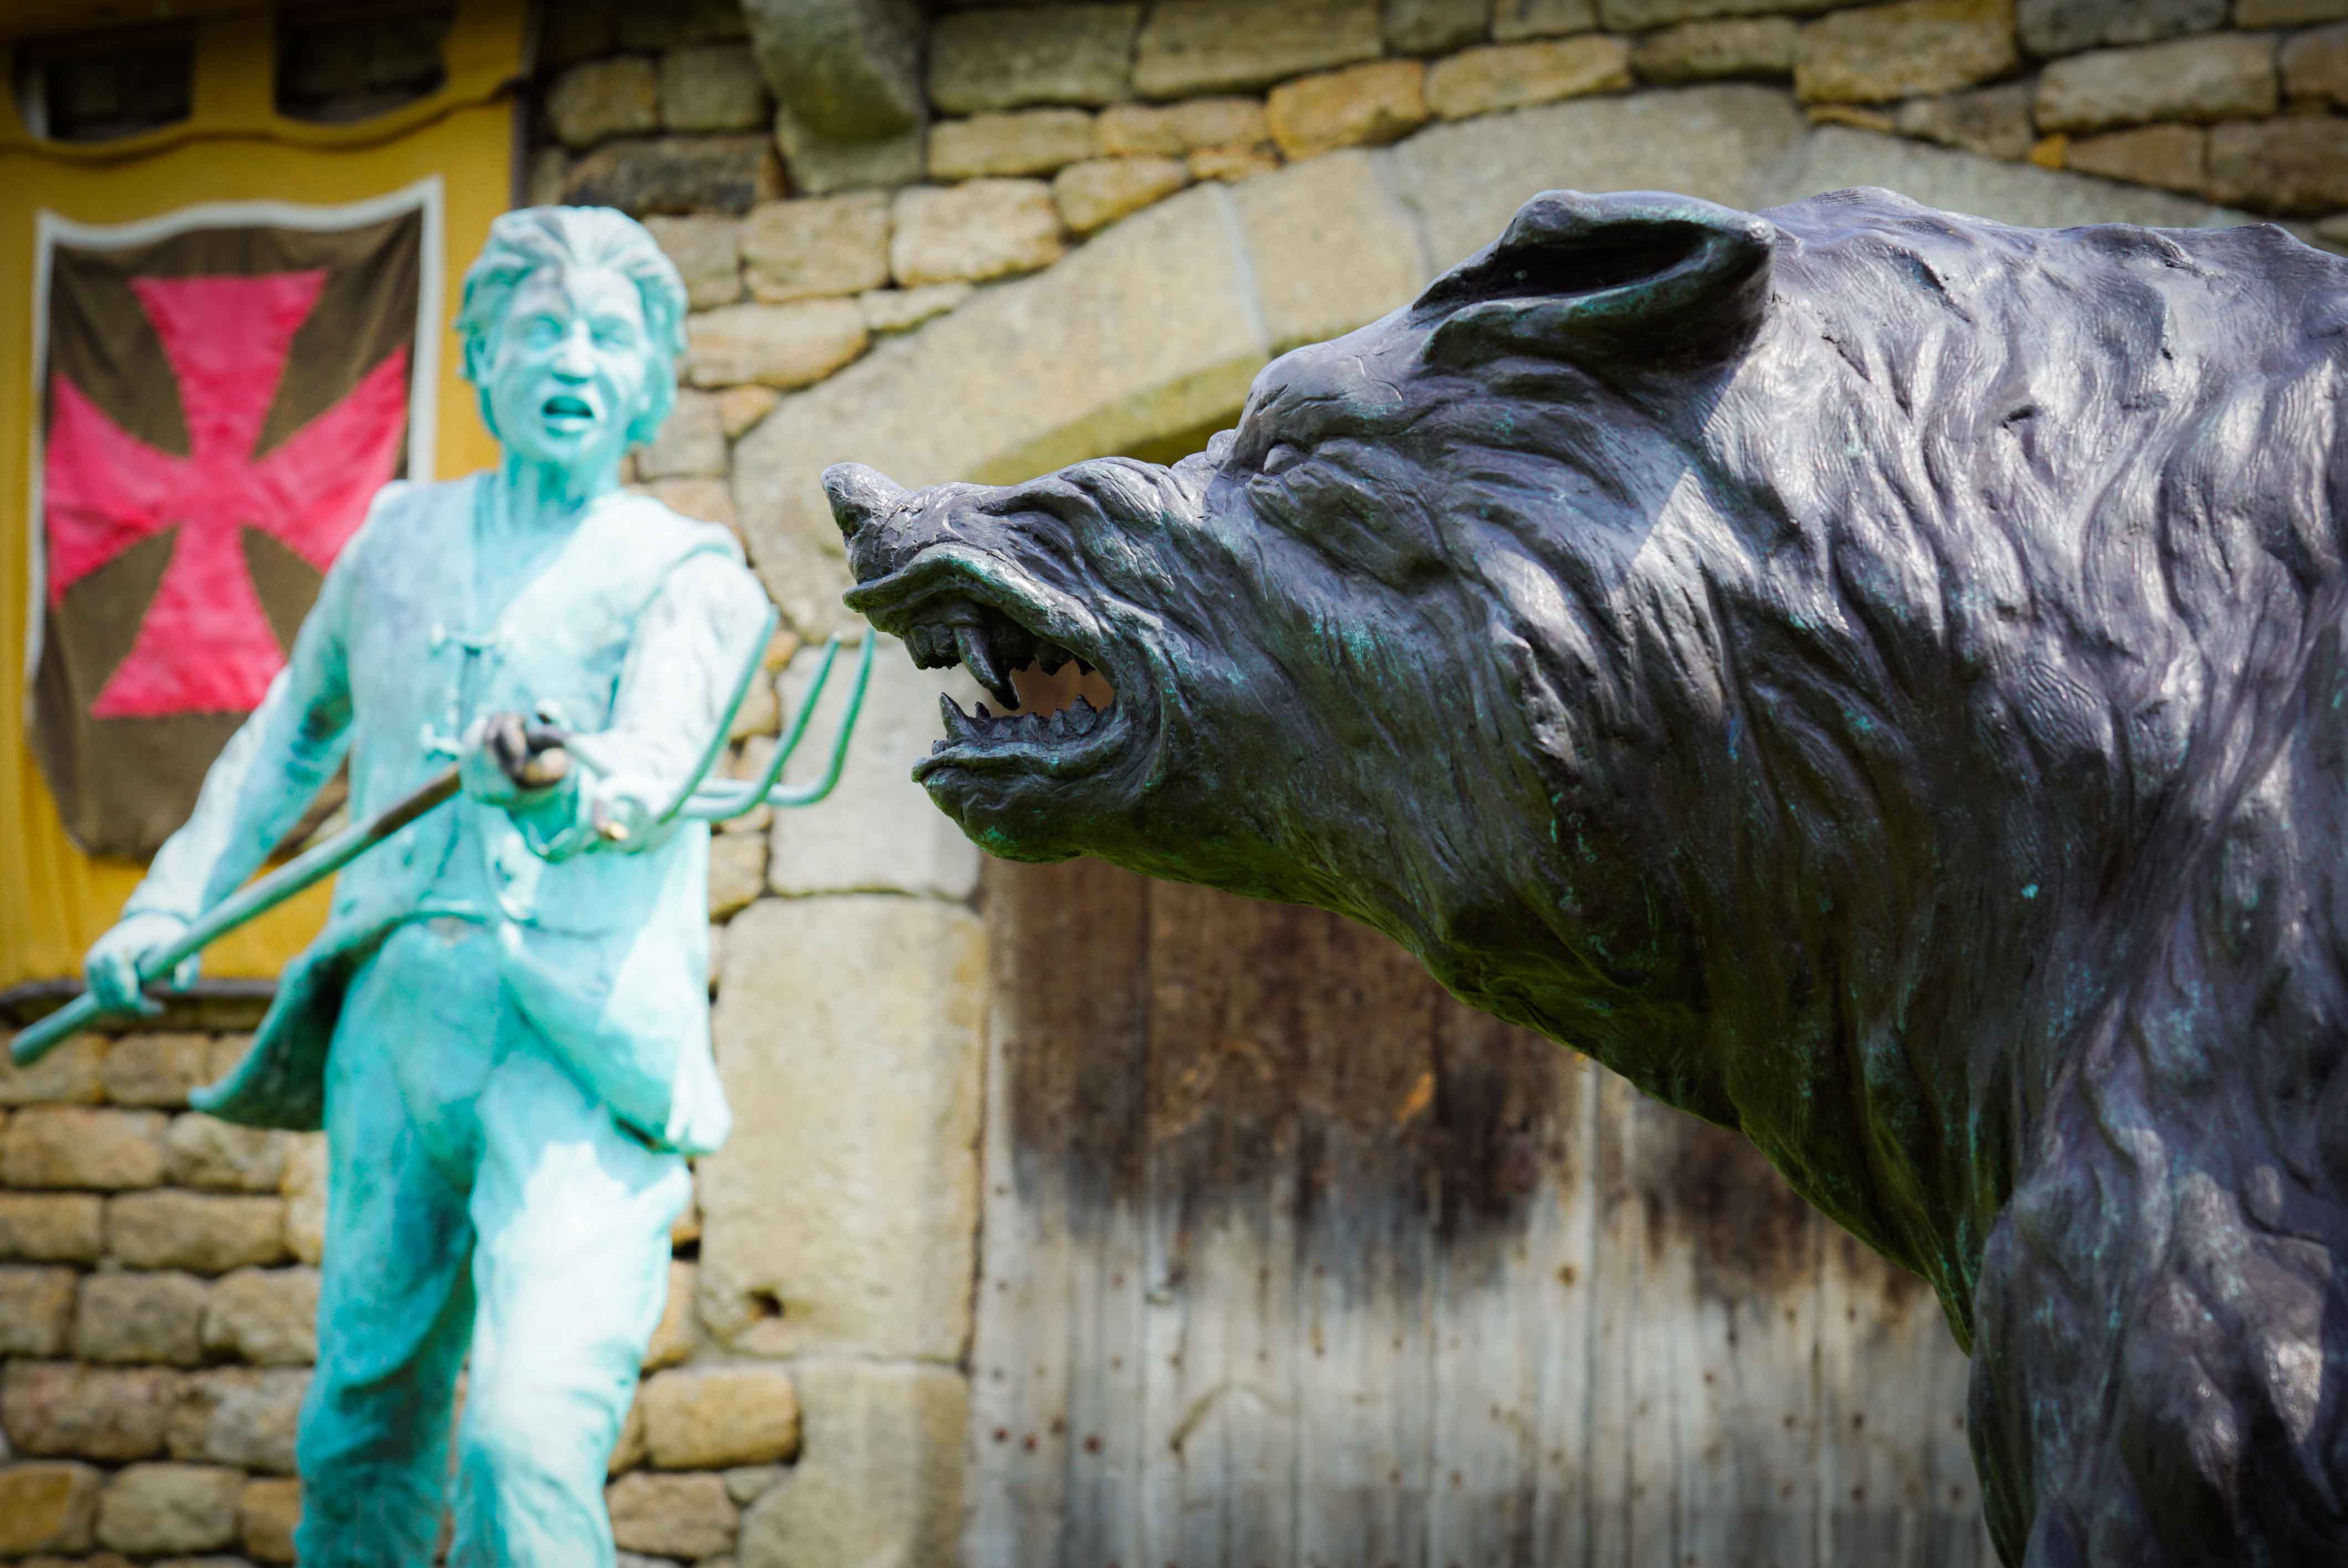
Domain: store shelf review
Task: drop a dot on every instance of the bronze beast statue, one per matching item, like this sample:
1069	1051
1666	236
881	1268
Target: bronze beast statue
1873	677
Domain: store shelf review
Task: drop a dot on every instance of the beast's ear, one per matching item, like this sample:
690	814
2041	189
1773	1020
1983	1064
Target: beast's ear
1637	277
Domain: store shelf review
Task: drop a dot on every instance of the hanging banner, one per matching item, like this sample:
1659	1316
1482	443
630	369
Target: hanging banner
223	390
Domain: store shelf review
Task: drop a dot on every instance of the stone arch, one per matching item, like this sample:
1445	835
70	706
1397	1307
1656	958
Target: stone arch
1152	331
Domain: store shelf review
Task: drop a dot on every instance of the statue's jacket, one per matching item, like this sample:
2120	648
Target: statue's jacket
635	632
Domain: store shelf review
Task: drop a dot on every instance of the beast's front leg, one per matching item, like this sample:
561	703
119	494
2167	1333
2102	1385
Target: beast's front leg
2160	1368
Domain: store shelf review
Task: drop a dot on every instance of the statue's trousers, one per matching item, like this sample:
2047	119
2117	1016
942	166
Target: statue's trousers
480	1204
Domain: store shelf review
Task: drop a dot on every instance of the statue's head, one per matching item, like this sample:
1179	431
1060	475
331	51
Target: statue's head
572	323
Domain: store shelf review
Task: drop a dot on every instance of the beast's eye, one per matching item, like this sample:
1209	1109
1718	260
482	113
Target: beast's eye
1283	456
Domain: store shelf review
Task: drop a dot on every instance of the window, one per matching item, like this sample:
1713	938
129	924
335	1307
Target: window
353	65
103	91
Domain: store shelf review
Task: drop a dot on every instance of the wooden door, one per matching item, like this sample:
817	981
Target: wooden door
1289	1258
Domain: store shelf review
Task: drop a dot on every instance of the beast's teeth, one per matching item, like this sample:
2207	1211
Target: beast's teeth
1050	656
980	659
1082	668
959	725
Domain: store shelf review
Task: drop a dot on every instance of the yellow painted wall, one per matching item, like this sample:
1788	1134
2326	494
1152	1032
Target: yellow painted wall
54	899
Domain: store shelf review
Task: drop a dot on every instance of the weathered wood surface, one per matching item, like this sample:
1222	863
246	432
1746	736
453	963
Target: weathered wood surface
1291	1259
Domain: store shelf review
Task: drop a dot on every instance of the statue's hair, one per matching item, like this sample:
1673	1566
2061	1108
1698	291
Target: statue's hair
522	241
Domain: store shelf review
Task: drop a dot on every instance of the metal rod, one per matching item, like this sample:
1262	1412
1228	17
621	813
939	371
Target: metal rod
313	864
716	801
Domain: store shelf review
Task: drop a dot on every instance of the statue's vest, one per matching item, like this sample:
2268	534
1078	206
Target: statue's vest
606	952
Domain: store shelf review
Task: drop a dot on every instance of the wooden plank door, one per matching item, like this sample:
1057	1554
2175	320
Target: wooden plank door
1289	1258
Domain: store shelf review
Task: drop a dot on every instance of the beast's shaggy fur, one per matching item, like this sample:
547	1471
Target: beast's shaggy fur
1873	677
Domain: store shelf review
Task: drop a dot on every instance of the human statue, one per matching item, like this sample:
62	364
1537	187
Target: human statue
1872	676
504	1027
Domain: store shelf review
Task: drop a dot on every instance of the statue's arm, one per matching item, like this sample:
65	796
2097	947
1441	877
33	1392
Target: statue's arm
687	650
270	771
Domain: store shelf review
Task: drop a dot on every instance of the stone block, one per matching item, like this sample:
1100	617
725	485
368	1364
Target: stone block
672	1515
200	1151
267	1512
1173	130
1230	165
1190	46
821	165
1436	26
760	715
881	1479
225	1054
303	1188
2296	166
2333	233
1640	16
2224	75
1903	50
1516	75
677	174
701	1417
57	1408
156	1070
877	832
712	87
141	1317
1515	20
1100	190
73	1146
849	69
544	175
603	98
238	1416
1465	182
37	1303
1286	220
2288	13
903	310
672	1340
199	1232
1037	373
981	229
982	60
1360	106
2018	193
1022	141
71	1075
709	499
747	1484
46	1505
2316	67
2172	157
1711	51
737	873
628	1452
2066	27
739	408
675	22
268	1317
159	1508
691	441
775	345
707	252
1994	122
866	1249
52	1227
816	246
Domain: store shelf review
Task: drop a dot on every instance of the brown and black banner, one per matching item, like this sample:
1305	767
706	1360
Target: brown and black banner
224	391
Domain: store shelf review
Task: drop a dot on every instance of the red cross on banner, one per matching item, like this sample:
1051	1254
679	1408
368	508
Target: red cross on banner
222	400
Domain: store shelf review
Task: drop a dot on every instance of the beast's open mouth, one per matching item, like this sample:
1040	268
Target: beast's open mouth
1040	656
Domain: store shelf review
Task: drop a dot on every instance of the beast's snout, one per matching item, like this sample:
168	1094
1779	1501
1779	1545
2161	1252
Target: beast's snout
858	494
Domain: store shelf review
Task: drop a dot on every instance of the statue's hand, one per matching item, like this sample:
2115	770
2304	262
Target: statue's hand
111	970
507	758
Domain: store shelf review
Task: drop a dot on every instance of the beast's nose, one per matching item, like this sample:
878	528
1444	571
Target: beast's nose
858	494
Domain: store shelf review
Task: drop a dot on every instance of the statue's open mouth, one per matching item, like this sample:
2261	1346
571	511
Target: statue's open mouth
1038	652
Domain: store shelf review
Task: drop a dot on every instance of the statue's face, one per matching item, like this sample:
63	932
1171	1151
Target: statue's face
572	369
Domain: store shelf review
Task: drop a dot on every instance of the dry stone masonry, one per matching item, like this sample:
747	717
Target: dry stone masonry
1040	232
